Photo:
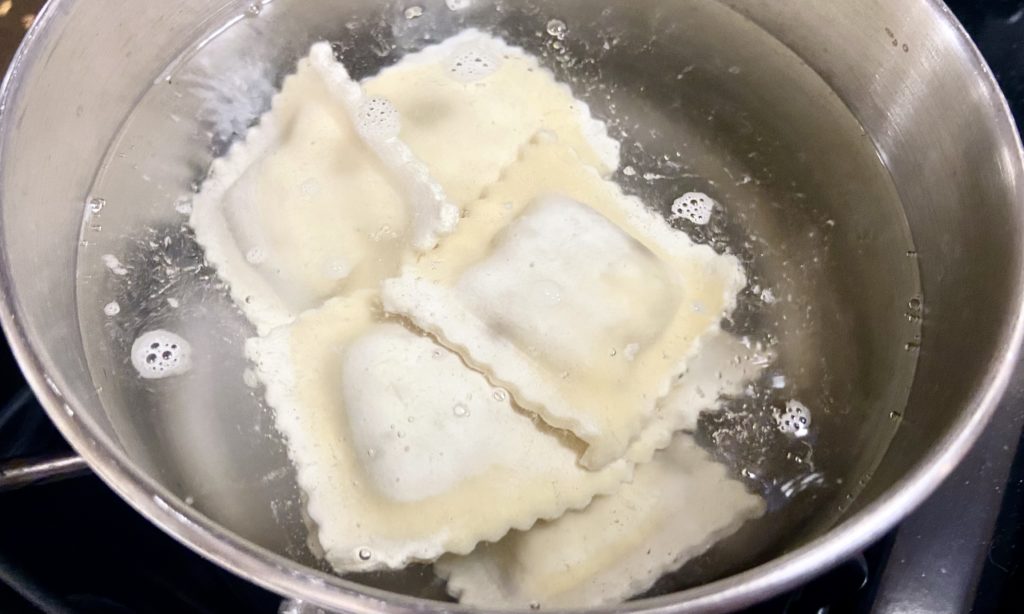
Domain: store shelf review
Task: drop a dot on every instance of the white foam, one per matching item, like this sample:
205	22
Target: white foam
377	118
250	378
183	206
115	266
795	419
695	207
112	309
472	62
256	255
159	353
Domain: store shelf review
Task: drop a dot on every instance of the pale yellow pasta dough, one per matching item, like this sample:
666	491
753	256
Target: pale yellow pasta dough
577	298
319	199
403	452
469	104
677	506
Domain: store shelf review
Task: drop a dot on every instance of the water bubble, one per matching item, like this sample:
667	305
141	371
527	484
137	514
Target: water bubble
557	28
254	9
534	605
613	352
250	379
457	5
96	204
695	207
256	255
365	554
378	119
310	187
115	266
413	12
460	410
371	452
112	309
915	303
159	353
473	62
500	395
795	419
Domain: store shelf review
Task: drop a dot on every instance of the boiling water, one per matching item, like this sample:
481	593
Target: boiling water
709	111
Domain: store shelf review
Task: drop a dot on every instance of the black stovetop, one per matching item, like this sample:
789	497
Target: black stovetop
75	547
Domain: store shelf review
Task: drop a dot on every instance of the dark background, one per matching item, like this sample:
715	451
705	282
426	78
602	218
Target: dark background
73	546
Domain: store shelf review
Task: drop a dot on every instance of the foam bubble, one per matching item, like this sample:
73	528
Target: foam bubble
112	309
115	266
250	378
310	187
255	255
378	119
473	62
795	419
557	28
695	207
159	353
337	269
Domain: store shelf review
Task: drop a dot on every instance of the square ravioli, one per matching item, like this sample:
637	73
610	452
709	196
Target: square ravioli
403	452
284	215
469	103
577	298
676	507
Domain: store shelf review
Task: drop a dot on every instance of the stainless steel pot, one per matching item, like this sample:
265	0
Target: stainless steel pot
921	97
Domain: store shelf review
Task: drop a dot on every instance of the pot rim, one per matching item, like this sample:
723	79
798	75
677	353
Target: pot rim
287	577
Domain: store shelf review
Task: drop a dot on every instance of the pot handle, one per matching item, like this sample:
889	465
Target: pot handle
18	473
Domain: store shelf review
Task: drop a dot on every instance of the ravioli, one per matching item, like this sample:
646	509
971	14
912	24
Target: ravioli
719	369
470	103
676	507
577	298
319	199
403	452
